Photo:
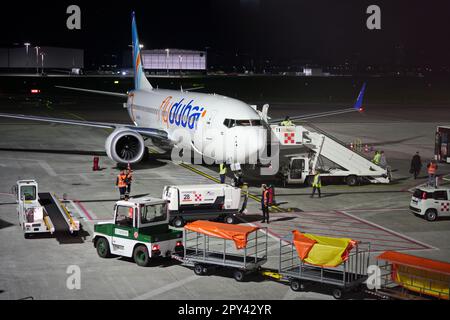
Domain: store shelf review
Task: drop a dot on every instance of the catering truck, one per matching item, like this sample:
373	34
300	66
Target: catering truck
139	230
202	202
320	152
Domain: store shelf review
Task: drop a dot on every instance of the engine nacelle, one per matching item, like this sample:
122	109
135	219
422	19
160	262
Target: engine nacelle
125	146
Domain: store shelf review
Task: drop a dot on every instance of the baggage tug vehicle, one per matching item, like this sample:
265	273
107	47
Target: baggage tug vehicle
140	230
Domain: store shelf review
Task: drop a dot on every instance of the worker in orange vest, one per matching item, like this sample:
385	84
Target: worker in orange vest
265	203
432	168
121	184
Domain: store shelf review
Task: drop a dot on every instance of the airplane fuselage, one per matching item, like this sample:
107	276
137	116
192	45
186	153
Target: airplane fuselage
215	126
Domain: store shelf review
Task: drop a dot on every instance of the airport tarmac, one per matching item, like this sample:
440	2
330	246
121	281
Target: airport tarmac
59	157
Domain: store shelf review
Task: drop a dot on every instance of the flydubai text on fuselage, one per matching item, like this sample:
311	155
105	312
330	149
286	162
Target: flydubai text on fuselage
216	126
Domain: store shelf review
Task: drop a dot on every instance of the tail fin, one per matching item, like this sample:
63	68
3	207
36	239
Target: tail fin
140	81
359	102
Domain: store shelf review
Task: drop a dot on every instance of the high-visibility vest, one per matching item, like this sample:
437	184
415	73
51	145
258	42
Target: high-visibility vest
316	182
121	181
265	197
223	169
377	158
286	123
432	168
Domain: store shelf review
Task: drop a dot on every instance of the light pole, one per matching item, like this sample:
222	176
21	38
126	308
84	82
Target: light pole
27	45
37	59
167	61
42	57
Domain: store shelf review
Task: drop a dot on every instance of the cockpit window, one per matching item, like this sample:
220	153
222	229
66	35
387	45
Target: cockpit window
230	123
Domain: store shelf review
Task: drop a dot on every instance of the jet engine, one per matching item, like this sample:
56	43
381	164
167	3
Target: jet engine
125	146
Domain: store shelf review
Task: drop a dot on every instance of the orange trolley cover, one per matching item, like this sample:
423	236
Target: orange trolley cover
416	262
237	233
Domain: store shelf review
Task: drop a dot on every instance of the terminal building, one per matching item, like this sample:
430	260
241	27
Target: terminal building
171	60
19	58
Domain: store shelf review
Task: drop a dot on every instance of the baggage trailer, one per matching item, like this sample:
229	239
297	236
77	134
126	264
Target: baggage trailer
409	277
321	152
349	275
41	212
207	244
202	202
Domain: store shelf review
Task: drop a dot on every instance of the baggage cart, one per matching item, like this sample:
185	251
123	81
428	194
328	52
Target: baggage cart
349	275
243	249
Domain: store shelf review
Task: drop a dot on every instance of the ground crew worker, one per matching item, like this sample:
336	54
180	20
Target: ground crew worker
128	180
416	165
383	161
265	203
377	158
121	184
432	168
222	172
287	122
244	203
317	184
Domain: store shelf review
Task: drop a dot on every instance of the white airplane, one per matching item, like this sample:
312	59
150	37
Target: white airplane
221	128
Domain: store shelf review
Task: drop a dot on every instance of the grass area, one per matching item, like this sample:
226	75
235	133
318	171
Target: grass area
270	89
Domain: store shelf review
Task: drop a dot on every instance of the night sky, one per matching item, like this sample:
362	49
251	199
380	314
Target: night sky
323	31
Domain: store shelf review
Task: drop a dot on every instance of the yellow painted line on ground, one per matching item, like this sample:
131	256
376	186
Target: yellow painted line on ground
204	174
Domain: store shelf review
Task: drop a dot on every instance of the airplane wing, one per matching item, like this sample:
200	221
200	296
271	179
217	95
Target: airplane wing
356	107
107	93
146	132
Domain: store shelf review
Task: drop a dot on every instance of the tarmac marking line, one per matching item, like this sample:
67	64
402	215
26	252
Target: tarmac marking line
80	205
352	232
427	246
344	231
47	168
166	288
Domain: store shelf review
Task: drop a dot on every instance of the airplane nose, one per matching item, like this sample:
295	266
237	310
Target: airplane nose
251	145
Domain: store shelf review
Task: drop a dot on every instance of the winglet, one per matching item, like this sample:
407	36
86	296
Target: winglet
359	102
140	81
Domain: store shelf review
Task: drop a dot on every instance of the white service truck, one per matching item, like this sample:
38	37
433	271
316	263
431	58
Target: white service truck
322	153
202	202
41	212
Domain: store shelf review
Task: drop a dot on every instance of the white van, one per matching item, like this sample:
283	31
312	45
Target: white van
431	202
